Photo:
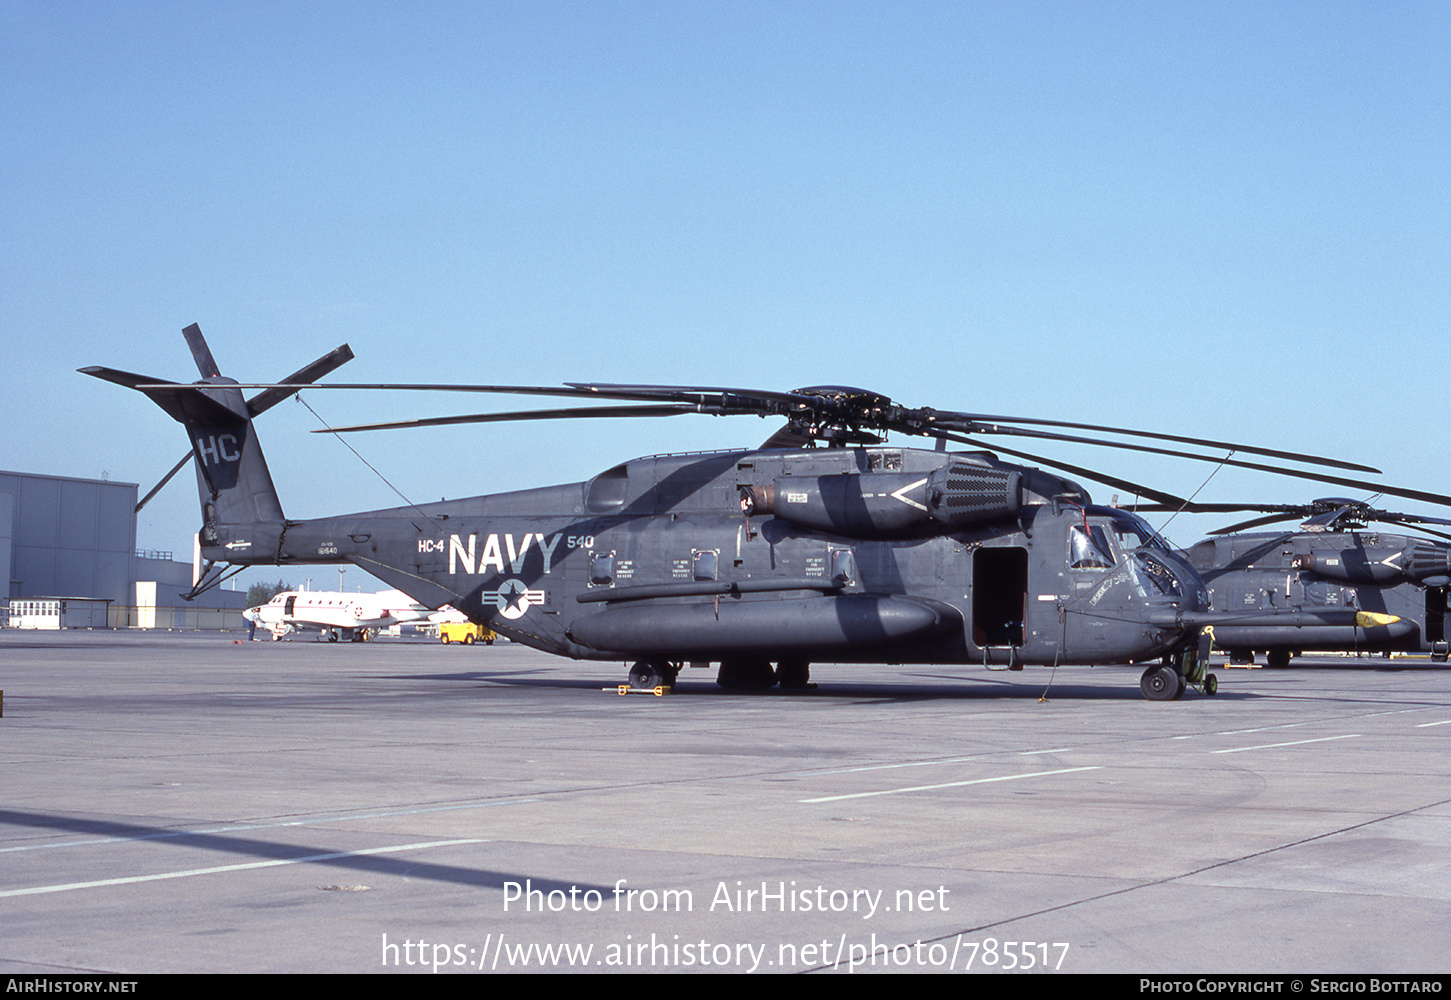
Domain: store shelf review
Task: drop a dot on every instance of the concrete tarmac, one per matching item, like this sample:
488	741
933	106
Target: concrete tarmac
187	803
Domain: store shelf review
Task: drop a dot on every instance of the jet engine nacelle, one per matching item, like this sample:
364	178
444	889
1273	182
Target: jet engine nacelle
881	504
1419	561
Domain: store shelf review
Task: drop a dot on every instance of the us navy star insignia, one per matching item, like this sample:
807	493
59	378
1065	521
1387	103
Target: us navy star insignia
513	598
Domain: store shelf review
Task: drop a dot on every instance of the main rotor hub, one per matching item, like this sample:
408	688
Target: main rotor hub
841	416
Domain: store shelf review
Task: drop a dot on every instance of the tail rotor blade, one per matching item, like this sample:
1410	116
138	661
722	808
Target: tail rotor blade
164	480
268	398
205	363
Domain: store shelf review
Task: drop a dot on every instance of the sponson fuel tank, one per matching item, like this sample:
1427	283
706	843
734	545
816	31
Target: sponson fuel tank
741	626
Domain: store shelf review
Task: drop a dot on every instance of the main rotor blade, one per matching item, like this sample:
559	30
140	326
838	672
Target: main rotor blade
579	392
1256	522
683	392
1314	477
1414	526
1127	446
1195	507
1390	515
977	418
744	401
1316	512
488	418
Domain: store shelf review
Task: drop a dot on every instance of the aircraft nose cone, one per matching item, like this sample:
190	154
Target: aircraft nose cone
1192	586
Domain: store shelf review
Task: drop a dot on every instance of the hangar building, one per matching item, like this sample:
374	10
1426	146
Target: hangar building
73	541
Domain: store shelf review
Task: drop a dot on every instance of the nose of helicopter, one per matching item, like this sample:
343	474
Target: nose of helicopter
1175	579
1192	586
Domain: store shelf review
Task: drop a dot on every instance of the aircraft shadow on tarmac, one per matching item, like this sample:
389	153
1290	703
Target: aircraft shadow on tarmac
251	847
1028	686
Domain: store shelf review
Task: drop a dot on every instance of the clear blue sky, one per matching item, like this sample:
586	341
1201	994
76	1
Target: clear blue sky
1221	219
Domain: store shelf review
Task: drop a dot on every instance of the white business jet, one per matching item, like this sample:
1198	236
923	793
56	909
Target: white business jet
336	614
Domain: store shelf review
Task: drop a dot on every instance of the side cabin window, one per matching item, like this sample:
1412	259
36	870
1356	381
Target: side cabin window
705	563
1088	548
602	568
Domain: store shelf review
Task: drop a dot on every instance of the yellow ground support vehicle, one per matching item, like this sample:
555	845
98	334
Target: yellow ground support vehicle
465	632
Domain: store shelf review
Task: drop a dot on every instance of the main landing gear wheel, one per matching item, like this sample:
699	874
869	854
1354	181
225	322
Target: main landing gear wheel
794	675
746	675
1162	683
652	674
1278	658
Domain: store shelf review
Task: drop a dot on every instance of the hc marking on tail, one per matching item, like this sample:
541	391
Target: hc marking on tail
218	447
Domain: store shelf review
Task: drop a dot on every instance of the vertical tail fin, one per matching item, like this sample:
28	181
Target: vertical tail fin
241	515
242	519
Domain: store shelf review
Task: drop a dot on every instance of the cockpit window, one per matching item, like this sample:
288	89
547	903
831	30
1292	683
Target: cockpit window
1132	532
1088	547
1158	574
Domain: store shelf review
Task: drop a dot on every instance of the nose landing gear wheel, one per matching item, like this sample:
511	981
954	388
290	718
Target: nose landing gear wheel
1162	683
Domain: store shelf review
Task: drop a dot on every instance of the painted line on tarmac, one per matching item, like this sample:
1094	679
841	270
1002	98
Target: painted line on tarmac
934	762
1294	725
187	873
1293	743
948	784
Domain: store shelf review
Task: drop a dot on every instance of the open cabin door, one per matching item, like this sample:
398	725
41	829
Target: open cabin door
999	601
1436	624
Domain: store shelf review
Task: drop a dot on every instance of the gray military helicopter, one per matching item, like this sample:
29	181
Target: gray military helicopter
763	560
1337	583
